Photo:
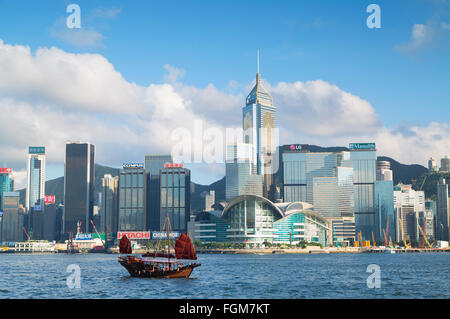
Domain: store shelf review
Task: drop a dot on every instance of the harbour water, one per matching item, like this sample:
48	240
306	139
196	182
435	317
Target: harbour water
231	276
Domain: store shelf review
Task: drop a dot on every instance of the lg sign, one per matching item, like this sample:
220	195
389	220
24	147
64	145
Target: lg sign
298	147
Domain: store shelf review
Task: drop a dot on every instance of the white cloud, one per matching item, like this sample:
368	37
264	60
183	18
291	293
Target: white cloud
319	108
421	36
52	76
173	73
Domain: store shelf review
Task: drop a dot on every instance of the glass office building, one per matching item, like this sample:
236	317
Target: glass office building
35	191
6	182
133	184
175	192
384	207
323	179
442	211
363	158
78	187
12	219
154	164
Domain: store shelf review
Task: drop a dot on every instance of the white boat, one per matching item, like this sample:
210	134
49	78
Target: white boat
389	250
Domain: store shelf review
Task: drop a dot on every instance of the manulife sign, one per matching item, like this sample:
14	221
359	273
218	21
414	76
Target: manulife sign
36	150
362	146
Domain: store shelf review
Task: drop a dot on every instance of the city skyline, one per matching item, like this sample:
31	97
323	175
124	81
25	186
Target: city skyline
134	108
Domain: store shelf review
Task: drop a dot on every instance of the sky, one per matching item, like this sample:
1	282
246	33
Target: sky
137	73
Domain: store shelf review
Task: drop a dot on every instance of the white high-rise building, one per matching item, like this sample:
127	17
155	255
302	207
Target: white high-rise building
445	164
432	165
210	199
409	205
384	172
35	192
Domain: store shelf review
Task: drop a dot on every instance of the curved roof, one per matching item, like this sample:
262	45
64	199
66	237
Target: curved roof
310	213
251	197
287	207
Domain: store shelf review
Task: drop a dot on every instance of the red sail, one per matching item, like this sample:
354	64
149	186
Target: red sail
124	245
184	249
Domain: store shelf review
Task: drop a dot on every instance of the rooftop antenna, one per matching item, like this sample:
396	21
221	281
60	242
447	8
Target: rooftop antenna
258	60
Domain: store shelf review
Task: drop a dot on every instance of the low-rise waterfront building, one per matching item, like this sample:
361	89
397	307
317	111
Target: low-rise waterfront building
255	220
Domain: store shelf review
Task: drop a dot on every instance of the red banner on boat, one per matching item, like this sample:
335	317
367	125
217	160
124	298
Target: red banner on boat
184	249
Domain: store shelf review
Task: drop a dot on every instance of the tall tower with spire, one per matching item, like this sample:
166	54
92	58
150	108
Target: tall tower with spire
260	129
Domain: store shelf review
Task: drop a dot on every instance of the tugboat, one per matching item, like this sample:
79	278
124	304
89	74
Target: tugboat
159	264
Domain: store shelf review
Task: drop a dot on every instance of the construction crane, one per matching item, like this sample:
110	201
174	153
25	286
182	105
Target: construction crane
360	238
387	231
373	240
403	234
25	231
95	228
424	236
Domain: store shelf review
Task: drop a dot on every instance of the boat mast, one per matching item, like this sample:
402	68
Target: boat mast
168	236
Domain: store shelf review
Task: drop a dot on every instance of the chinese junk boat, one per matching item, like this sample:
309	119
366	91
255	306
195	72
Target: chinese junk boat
159	264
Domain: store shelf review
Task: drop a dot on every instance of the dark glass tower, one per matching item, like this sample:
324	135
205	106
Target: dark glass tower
78	187
133	185
154	164
175	196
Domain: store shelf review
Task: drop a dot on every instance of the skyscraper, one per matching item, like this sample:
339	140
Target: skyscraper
6	182
445	164
432	165
323	179
384	202
409	205
175	196
442	211
109	204
35	192
363	157
154	164
13	218
210	200
78	186
133	185
259	125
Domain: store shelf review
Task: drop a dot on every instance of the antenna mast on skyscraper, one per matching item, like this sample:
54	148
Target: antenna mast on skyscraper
258	60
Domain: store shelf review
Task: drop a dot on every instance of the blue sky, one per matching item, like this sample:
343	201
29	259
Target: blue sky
215	42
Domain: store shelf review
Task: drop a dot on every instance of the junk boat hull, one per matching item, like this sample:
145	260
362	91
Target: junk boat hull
138	268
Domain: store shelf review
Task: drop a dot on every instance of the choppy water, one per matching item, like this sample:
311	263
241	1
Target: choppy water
232	276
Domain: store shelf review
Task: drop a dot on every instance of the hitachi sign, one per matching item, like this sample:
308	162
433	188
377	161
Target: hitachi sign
134	234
